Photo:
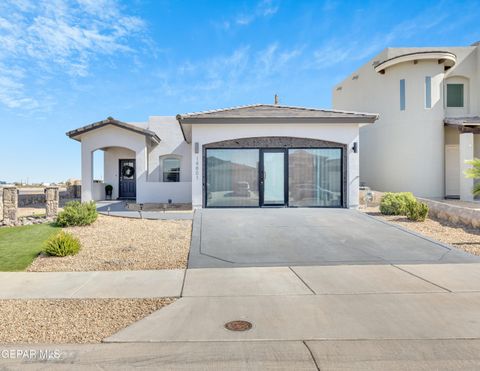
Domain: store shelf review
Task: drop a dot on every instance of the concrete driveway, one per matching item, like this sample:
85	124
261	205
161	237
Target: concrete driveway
286	237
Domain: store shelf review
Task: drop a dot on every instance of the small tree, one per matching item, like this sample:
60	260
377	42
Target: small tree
474	173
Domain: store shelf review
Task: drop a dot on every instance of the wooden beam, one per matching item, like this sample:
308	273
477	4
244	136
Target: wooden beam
469	129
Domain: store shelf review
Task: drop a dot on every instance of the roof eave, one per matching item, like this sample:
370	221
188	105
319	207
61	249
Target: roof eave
74	134
444	57
370	119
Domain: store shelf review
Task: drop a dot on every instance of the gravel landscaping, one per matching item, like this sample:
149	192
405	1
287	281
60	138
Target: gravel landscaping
70	320
462	237
113	243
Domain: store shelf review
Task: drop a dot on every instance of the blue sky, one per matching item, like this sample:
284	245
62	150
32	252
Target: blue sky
67	63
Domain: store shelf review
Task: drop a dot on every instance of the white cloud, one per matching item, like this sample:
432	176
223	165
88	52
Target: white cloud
263	9
242	71
266	8
358	46
61	36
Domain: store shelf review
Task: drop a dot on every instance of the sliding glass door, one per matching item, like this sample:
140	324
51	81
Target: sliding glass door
315	177
232	177
272	177
297	177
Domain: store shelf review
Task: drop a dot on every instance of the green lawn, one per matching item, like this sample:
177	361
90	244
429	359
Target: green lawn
20	245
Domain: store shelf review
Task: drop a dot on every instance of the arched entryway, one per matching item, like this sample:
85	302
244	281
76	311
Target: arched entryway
274	171
116	167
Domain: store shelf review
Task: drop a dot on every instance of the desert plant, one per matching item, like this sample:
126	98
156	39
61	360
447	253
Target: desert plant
395	203
62	244
417	211
474	173
77	213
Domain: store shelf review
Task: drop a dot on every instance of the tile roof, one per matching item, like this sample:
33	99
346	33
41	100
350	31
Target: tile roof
111	121
274	111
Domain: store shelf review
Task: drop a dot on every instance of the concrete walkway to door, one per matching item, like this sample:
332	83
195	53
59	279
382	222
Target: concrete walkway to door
118	208
288	237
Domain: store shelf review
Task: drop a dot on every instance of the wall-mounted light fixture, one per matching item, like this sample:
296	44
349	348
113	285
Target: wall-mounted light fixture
355	147
197	147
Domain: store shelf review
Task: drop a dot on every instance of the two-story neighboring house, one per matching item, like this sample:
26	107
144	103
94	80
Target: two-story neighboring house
429	105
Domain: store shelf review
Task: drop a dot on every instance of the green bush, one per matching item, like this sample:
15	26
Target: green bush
396	203
77	213
417	211
62	244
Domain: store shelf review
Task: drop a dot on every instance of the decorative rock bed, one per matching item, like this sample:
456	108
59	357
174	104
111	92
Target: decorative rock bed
27	220
437	210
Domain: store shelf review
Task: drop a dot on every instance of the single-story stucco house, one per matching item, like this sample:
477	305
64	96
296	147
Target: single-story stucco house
247	156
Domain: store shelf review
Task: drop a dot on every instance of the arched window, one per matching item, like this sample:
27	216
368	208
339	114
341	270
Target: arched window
171	169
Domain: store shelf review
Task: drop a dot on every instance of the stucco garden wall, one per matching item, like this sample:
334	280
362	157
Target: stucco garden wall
452	213
437	210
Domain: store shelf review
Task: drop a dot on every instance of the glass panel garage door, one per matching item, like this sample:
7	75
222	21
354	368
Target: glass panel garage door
232	177
315	177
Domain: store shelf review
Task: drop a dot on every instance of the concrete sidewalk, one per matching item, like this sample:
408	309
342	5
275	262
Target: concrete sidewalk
312	317
375	317
82	285
235	282
318	303
368	355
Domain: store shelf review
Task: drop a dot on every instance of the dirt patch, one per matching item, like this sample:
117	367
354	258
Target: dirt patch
462	237
70	320
113	243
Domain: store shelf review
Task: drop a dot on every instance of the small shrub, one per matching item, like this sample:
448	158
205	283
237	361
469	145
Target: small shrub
396	203
417	211
77	213
62	244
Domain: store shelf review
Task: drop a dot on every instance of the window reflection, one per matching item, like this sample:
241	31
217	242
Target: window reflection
232	177
315	177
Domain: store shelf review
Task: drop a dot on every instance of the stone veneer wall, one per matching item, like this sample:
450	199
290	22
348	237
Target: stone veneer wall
1	204
438	210
25	200
10	205
51	201
452	213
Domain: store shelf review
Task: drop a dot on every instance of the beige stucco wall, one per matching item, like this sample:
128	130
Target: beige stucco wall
451	136
340	133
117	143
172	143
404	150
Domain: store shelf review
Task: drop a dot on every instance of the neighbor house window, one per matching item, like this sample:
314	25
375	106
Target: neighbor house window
454	95
171	169
428	92
402	95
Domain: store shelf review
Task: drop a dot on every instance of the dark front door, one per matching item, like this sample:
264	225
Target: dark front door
127	179
273	177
